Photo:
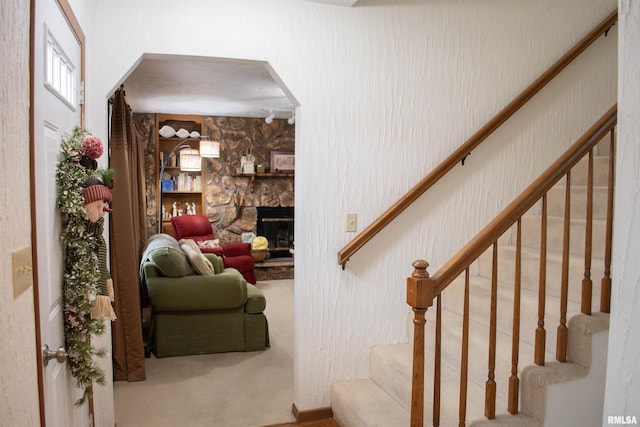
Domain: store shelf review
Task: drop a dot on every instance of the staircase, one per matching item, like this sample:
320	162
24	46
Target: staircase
385	398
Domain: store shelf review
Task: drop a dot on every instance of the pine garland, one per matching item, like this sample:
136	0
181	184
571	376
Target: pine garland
81	272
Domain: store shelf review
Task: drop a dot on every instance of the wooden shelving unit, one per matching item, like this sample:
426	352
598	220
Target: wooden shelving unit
192	183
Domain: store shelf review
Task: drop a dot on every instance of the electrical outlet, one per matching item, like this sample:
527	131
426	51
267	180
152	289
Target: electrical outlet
352	222
22	270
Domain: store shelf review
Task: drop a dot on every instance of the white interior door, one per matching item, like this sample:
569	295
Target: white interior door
57	74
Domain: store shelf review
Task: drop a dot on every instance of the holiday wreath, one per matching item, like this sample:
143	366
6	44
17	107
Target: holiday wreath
83	195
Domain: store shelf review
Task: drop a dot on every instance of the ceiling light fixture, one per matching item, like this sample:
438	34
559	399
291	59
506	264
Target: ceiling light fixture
270	117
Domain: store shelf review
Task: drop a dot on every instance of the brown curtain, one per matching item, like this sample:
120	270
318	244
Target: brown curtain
128	235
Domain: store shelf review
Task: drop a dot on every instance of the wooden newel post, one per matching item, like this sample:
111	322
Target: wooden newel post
420	295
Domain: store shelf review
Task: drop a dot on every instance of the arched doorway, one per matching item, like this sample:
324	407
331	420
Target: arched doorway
233	98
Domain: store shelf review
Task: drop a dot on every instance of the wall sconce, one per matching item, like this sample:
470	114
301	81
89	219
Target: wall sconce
270	117
292	119
209	149
190	160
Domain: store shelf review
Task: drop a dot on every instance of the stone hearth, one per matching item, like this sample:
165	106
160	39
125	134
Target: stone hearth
275	268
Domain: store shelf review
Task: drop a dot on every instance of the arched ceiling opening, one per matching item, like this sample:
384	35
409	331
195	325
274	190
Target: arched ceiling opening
181	84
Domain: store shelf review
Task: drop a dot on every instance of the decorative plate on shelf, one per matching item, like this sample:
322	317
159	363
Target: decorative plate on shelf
167	131
182	133
195	134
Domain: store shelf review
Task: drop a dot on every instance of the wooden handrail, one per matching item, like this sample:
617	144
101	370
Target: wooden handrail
510	215
458	155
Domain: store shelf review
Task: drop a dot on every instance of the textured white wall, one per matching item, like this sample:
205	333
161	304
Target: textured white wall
387	90
622	396
102	395
19	384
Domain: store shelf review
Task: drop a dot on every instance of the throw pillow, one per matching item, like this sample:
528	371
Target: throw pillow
259	243
198	261
209	244
170	262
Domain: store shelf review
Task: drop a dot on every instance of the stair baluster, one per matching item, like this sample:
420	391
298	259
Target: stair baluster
541	333
605	293
561	336
437	364
464	361
514	381
490	387
587	284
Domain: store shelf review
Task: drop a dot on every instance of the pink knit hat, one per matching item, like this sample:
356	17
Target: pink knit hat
97	192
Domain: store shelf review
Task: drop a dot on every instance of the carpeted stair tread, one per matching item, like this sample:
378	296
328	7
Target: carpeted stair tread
530	265
391	370
480	294
600	171
531	225
479	351
361	402
556	195
479	307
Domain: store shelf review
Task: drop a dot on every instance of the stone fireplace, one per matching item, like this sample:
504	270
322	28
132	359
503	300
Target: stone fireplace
276	225
230	200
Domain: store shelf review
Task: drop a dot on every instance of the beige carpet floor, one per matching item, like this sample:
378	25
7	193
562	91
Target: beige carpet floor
223	390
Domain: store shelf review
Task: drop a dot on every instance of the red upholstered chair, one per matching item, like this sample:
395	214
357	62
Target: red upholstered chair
234	255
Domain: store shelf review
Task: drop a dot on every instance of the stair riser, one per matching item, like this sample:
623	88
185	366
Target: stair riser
556	196
392	374
530	278
361	402
531	232
479	308
391	370
478	351
602	148
600	171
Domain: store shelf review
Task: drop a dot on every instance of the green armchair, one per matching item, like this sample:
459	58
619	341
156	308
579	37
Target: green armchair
196	314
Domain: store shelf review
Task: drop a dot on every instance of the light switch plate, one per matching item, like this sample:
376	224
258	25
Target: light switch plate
22	267
352	222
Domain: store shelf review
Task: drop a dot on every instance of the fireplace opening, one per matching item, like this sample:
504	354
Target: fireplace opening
276	225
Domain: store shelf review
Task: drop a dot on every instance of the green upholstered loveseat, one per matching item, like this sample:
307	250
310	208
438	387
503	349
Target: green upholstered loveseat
196	314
